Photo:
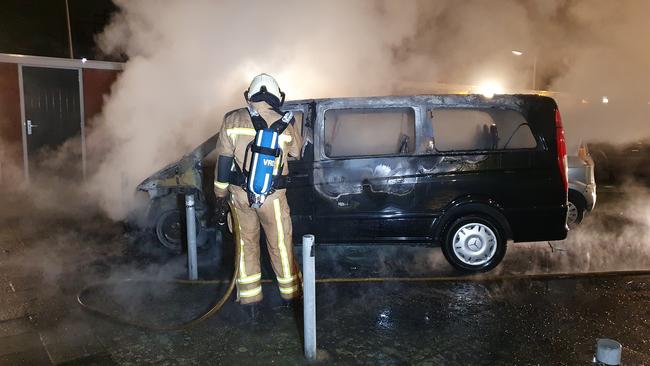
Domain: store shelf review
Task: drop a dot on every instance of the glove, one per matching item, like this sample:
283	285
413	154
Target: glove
221	211
220	202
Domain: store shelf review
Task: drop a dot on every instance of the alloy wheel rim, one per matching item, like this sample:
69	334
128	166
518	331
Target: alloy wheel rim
572	214
474	244
172	230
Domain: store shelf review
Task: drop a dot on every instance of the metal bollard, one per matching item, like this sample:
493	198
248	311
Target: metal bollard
192	267
608	352
309	293
124	192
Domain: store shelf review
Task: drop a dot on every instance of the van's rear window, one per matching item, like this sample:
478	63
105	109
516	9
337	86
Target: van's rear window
465	129
369	132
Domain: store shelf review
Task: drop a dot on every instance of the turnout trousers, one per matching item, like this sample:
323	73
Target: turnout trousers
274	216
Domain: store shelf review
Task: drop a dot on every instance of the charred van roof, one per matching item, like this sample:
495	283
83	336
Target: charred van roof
456	100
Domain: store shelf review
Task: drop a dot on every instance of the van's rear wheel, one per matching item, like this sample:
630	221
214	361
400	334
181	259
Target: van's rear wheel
474	244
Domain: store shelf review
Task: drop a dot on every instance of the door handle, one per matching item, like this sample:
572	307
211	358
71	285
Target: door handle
30	126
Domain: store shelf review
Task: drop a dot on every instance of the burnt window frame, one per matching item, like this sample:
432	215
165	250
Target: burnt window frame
322	109
429	133
306	108
302	108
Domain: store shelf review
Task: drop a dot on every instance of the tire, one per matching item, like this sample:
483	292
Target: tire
169	230
576	209
474	244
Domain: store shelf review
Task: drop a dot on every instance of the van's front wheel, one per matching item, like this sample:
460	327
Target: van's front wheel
474	244
170	231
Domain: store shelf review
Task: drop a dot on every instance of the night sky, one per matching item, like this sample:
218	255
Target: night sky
38	27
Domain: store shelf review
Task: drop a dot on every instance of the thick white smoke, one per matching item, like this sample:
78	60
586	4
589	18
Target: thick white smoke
583	49
189	62
606	59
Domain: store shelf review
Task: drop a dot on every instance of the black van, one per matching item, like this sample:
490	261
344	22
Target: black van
465	172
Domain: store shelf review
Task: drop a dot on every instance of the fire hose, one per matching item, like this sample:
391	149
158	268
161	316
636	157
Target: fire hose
221	302
211	312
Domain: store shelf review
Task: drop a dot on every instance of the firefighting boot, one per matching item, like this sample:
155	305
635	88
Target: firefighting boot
291	305
291	308
252	311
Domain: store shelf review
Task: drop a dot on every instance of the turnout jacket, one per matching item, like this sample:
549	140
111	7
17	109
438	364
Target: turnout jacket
237	132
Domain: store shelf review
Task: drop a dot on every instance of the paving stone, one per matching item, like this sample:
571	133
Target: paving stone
32	357
15	327
100	359
20	343
64	346
14	306
16	279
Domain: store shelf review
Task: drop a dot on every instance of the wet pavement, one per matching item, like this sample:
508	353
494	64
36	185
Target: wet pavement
48	254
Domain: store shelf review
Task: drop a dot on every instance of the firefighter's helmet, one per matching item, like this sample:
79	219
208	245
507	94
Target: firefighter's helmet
265	88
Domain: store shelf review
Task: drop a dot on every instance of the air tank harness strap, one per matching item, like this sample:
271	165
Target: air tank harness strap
252	173
278	126
266	150
238	178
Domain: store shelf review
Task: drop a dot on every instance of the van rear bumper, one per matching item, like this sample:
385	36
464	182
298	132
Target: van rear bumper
538	224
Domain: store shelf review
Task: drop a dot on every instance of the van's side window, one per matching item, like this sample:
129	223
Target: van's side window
459	129
369	132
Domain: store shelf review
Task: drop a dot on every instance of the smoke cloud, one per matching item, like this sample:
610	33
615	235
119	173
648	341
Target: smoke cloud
189	62
584	50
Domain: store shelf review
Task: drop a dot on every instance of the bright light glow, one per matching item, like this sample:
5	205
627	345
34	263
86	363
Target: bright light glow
83	60
517	53
292	80
489	88
584	101
605	100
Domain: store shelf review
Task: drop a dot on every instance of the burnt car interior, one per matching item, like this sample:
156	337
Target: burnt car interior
369	132
463	129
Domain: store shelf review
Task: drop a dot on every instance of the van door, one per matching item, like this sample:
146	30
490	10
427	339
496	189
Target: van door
299	187
364	180
490	154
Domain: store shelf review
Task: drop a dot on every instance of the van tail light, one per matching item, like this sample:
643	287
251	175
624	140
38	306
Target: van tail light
561	150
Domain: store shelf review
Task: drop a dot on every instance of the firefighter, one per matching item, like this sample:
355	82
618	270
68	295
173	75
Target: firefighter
265	98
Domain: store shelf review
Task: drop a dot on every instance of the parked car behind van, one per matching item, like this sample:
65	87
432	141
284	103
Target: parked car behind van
464	172
582	187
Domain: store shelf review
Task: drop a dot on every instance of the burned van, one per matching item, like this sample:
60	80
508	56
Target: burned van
465	172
